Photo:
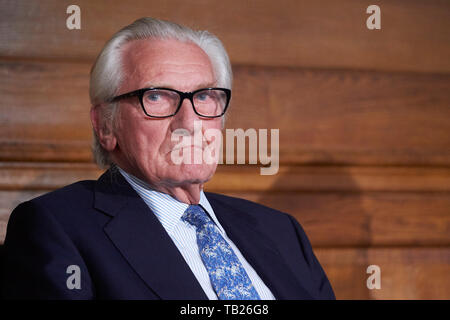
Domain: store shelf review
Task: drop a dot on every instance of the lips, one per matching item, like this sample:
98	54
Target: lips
188	146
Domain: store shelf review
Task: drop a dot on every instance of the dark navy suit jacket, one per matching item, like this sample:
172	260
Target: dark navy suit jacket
123	252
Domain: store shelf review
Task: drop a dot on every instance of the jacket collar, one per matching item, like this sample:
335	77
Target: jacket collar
259	251
142	240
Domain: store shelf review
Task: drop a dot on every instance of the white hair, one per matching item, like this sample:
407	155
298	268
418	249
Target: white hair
107	73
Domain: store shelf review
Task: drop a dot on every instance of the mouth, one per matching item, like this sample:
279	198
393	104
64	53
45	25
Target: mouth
187	147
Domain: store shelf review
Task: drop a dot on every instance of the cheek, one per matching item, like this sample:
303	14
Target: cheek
139	137
149	141
213	126
212	123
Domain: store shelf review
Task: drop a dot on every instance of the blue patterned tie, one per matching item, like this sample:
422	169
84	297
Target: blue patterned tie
227	275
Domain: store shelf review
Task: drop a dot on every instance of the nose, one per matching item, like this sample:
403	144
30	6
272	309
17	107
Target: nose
185	117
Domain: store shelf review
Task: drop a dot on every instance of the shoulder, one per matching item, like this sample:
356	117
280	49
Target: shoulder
252	209
234	201
65	205
66	215
74	195
282	225
284	230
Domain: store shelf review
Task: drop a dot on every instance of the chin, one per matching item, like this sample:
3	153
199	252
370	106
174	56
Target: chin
192	174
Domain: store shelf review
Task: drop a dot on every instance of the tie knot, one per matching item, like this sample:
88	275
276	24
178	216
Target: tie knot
196	216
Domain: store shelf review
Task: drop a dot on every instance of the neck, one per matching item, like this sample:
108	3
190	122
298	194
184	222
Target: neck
188	192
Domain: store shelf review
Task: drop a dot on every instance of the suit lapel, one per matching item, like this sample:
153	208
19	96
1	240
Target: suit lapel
260	252
142	240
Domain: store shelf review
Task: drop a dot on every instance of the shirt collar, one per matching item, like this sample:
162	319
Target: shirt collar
167	209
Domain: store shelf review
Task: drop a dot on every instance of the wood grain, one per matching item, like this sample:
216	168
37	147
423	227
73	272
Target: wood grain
326	34
334	208
46	175
345	219
331	178
44	103
376	118
323	117
364	120
406	273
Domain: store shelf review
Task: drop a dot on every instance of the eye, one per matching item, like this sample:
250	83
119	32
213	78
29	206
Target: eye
154	96
202	96
159	96
205	96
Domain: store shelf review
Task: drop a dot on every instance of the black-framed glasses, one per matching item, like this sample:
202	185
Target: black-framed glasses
165	102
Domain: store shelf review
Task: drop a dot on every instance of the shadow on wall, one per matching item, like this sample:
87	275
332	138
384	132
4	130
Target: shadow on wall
327	202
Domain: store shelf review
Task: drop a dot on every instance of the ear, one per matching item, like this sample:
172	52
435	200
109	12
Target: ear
103	128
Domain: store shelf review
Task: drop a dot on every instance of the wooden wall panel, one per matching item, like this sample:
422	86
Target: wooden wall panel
44	176
337	220
47	175
325	34
362	219
346	116
341	117
406	273
44	113
333	207
363	118
331	178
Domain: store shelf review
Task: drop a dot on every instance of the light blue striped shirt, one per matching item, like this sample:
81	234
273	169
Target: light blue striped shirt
169	210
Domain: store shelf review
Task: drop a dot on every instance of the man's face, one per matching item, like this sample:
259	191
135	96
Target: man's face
144	144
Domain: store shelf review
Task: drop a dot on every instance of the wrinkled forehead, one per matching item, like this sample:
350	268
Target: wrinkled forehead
165	63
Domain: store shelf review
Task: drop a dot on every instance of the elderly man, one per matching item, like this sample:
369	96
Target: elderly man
145	229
